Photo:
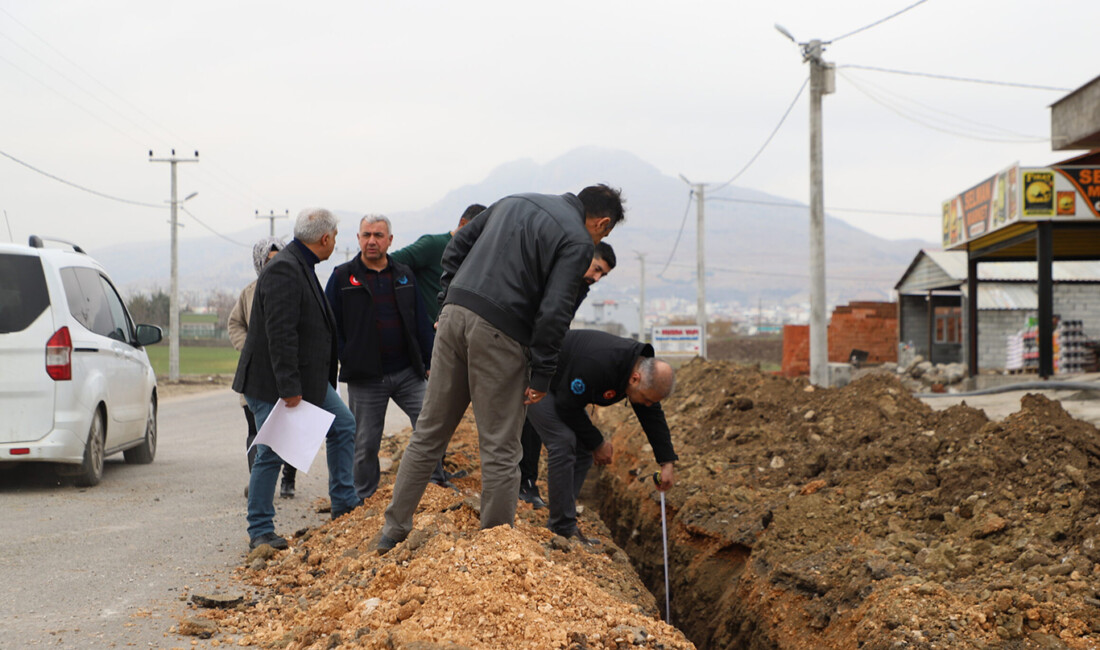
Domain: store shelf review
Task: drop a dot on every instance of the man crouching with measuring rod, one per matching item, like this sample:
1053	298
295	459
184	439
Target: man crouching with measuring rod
595	367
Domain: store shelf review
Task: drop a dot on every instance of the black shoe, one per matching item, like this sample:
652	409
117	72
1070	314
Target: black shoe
579	536
459	474
530	494
286	491
385	544
336	514
271	539
445	483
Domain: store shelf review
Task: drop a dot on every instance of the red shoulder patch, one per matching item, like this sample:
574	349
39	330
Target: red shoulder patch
609	394
353	280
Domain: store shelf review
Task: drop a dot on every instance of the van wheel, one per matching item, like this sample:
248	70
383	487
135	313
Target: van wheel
91	470
143	454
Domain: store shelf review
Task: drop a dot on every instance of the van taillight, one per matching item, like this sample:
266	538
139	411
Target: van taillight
59	355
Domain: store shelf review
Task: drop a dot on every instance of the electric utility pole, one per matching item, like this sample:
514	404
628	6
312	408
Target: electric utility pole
273	217
641	298
822	82
699	189
173	296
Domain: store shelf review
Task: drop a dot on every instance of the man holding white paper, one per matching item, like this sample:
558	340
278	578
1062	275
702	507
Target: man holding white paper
290	355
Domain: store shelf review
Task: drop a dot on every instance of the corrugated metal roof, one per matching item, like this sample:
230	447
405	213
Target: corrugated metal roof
1006	296
925	274
953	264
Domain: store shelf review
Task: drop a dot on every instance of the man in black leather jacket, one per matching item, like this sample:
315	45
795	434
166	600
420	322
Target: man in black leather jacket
510	282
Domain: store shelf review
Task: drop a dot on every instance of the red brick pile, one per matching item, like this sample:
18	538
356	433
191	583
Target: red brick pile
868	326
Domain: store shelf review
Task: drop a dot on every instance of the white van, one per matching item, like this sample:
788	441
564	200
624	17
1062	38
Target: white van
75	382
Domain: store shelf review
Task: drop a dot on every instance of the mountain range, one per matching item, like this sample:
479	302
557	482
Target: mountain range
757	246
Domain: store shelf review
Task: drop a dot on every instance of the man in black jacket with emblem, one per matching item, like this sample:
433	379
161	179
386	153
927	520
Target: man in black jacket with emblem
595	367
385	338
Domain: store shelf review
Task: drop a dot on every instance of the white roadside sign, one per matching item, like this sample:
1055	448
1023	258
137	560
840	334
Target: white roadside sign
676	340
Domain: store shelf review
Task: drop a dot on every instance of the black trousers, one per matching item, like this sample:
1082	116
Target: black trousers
532	448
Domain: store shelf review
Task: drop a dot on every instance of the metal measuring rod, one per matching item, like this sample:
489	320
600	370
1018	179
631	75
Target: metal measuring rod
664	539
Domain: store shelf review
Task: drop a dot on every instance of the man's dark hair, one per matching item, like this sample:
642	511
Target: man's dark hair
606	253
471	212
602	201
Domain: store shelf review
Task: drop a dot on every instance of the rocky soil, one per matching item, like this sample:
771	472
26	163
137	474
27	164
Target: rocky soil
843	518
449	585
859	517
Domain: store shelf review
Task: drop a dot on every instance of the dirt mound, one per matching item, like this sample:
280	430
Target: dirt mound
449	585
859	517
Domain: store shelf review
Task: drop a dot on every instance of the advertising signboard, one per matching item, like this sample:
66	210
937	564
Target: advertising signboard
1021	194
674	340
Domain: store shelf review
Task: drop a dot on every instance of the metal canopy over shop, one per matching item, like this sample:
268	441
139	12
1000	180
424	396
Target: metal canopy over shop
1027	214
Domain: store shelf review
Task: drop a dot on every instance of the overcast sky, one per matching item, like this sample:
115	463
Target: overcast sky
384	107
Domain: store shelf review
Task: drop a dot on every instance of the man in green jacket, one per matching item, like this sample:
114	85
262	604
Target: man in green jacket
425	257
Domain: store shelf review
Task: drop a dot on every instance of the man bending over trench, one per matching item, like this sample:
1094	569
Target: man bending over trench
595	367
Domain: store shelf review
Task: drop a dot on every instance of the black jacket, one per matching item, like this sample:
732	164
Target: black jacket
594	368
353	307
290	348
519	265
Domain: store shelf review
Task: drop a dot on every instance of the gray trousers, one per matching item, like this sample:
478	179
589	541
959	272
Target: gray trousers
368	401
567	464
472	362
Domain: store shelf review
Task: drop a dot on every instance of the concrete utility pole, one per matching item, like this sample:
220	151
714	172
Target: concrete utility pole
641	298
173	296
822	82
273	217
701	271
700	264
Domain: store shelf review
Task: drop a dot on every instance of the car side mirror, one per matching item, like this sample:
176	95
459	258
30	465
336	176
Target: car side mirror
147	335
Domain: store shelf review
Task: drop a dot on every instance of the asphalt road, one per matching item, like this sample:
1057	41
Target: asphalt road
1081	405
112	565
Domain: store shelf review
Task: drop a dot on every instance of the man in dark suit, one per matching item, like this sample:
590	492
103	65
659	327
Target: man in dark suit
290	354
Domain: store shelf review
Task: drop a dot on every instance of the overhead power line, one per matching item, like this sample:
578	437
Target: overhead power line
230	185
115	198
204	225
779	274
877	22
951	130
79	187
803	206
752	160
687	208
1011	84
769	138
947	116
70	100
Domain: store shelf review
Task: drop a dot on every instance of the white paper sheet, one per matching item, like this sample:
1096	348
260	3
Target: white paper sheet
295	433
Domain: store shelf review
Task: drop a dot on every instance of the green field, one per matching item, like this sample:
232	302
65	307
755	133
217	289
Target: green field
195	360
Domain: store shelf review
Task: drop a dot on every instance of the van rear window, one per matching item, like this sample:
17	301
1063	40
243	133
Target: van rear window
23	294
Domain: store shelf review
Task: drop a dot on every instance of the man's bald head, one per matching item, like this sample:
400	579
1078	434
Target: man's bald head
651	381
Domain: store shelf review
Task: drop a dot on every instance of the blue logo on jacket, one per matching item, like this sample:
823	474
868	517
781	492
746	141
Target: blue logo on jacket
577	386
404	279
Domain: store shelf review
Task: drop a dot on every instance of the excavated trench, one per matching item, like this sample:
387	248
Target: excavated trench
706	600
859	517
